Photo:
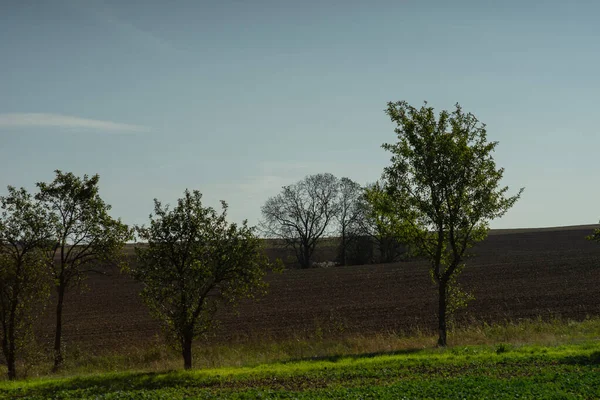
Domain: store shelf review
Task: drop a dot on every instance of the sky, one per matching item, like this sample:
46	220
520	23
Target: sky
239	98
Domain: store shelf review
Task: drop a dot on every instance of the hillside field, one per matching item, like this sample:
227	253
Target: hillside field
515	275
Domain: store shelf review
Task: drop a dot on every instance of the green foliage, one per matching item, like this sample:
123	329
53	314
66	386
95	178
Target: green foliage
327	339
457	297
471	372
594	236
444	183
502	348
83	235
193	262
84	232
24	231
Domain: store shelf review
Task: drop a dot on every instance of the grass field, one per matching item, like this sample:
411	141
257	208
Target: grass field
530	359
250	352
496	372
533	331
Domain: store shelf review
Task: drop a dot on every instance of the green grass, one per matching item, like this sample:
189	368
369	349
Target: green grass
324	339
529	359
500	372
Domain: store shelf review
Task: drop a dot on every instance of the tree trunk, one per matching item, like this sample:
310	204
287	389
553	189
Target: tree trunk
10	364
9	355
305	256
12	351
383	250
186	351
4	342
442	341
58	357
9	345
344	246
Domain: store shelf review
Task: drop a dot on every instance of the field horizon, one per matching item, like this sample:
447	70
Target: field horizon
515	274
339	331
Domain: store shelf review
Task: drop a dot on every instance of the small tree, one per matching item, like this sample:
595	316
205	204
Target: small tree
594	236
349	214
84	234
301	214
445	183
24	231
193	262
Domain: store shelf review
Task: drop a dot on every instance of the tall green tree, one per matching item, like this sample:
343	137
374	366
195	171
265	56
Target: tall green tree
24	233
446	185
84	234
194	261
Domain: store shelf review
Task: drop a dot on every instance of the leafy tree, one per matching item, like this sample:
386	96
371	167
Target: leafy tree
594	236
382	223
24	231
301	214
445	184
193	262
84	233
349	214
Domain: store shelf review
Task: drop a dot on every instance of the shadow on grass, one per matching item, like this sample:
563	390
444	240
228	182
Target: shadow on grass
592	359
88	386
338	357
96	385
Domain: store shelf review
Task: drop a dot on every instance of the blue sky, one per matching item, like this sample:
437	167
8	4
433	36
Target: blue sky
238	98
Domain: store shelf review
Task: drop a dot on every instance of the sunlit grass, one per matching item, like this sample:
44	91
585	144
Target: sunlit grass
490	371
321	342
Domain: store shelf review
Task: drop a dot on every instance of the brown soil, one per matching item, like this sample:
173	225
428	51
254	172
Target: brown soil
515	274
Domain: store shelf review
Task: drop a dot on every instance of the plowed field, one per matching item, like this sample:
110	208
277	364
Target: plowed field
515	274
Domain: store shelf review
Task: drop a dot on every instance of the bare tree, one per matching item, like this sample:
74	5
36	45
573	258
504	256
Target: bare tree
301	214
349	214
379	221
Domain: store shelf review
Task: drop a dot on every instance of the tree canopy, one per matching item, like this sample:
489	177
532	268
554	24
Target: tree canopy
446	187
84	234
25	231
191	262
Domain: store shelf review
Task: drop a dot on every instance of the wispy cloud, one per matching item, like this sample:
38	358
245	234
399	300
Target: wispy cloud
15	120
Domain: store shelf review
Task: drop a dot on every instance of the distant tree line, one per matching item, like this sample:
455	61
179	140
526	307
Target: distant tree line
434	200
321	207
